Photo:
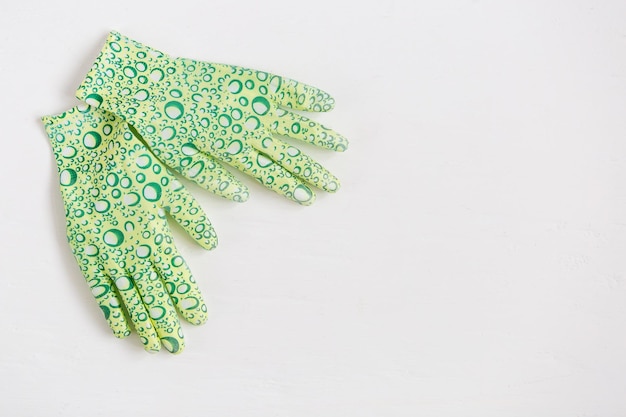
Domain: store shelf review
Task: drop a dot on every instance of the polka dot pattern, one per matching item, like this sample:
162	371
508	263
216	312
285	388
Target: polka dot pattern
196	115
117	196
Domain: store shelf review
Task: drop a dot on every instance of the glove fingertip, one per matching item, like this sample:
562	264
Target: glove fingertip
326	103
332	186
340	143
208	243
241	196
151	350
173	345
151	346
203	232
121	334
303	195
196	316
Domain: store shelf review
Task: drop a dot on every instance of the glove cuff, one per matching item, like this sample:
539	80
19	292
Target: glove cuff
78	131
60	127
120	58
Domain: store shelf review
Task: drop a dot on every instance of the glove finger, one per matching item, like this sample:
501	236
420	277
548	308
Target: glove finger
184	208
296	162
293	94
238	153
160	308
180	284
137	313
210	174
293	125
103	291
202	169
160	186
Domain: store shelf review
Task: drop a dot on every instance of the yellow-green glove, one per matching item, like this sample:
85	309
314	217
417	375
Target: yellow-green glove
117	196
193	114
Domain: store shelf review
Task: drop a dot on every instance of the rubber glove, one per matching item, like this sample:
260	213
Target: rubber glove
116	196
194	114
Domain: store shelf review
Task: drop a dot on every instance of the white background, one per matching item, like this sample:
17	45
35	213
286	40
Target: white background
473	264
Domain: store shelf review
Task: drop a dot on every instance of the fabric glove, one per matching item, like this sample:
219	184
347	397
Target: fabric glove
196	115
117	196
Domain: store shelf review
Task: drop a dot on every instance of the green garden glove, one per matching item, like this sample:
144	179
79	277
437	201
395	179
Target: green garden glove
194	115
117	196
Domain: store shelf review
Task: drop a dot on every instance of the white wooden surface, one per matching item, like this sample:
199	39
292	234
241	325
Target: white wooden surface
472	264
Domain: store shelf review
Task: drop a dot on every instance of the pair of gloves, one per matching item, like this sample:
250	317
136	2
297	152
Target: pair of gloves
147	113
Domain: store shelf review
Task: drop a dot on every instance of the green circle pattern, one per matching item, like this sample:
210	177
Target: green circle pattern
225	112
116	195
